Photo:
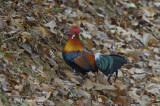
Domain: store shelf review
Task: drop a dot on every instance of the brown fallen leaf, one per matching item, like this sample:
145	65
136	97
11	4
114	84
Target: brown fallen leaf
59	82
104	98
156	78
122	100
9	57
88	84
51	25
43	30
3	24
19	25
26	46
148	11
25	36
31	102
153	88
102	79
101	87
82	93
120	85
46	87
48	95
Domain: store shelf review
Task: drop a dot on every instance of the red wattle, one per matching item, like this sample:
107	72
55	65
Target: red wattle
70	36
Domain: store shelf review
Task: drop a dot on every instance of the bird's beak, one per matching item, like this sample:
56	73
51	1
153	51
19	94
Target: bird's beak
81	31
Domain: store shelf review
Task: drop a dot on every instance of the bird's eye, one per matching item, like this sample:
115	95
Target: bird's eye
73	36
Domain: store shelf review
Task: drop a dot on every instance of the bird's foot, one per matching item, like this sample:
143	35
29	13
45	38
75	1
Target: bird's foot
76	73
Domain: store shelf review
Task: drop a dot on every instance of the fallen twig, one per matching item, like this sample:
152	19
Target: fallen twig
12	37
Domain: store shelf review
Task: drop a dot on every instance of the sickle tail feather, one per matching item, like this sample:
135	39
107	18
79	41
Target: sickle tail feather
108	64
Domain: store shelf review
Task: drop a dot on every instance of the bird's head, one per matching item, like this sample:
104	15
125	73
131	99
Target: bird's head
74	31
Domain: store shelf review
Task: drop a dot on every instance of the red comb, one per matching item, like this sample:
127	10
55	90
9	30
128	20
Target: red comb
74	30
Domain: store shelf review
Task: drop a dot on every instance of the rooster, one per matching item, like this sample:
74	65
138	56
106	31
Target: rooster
83	61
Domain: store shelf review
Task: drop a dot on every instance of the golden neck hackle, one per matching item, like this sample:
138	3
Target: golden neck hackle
73	45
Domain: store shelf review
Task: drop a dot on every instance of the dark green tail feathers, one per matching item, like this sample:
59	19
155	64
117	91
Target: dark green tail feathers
108	64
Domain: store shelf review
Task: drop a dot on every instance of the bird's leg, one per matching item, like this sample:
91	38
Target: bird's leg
110	74
96	75
116	76
109	79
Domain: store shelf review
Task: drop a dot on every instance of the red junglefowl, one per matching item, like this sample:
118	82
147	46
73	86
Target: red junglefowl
83	61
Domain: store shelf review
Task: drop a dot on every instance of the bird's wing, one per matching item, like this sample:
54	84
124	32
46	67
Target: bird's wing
71	56
85	60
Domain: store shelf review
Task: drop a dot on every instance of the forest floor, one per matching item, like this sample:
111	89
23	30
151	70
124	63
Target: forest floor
32	36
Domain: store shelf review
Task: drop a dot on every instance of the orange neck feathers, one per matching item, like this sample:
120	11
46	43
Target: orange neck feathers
73	45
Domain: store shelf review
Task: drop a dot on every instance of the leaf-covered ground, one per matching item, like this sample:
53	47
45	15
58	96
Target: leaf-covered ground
33	33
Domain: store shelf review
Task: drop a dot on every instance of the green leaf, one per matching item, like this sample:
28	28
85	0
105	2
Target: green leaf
131	5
